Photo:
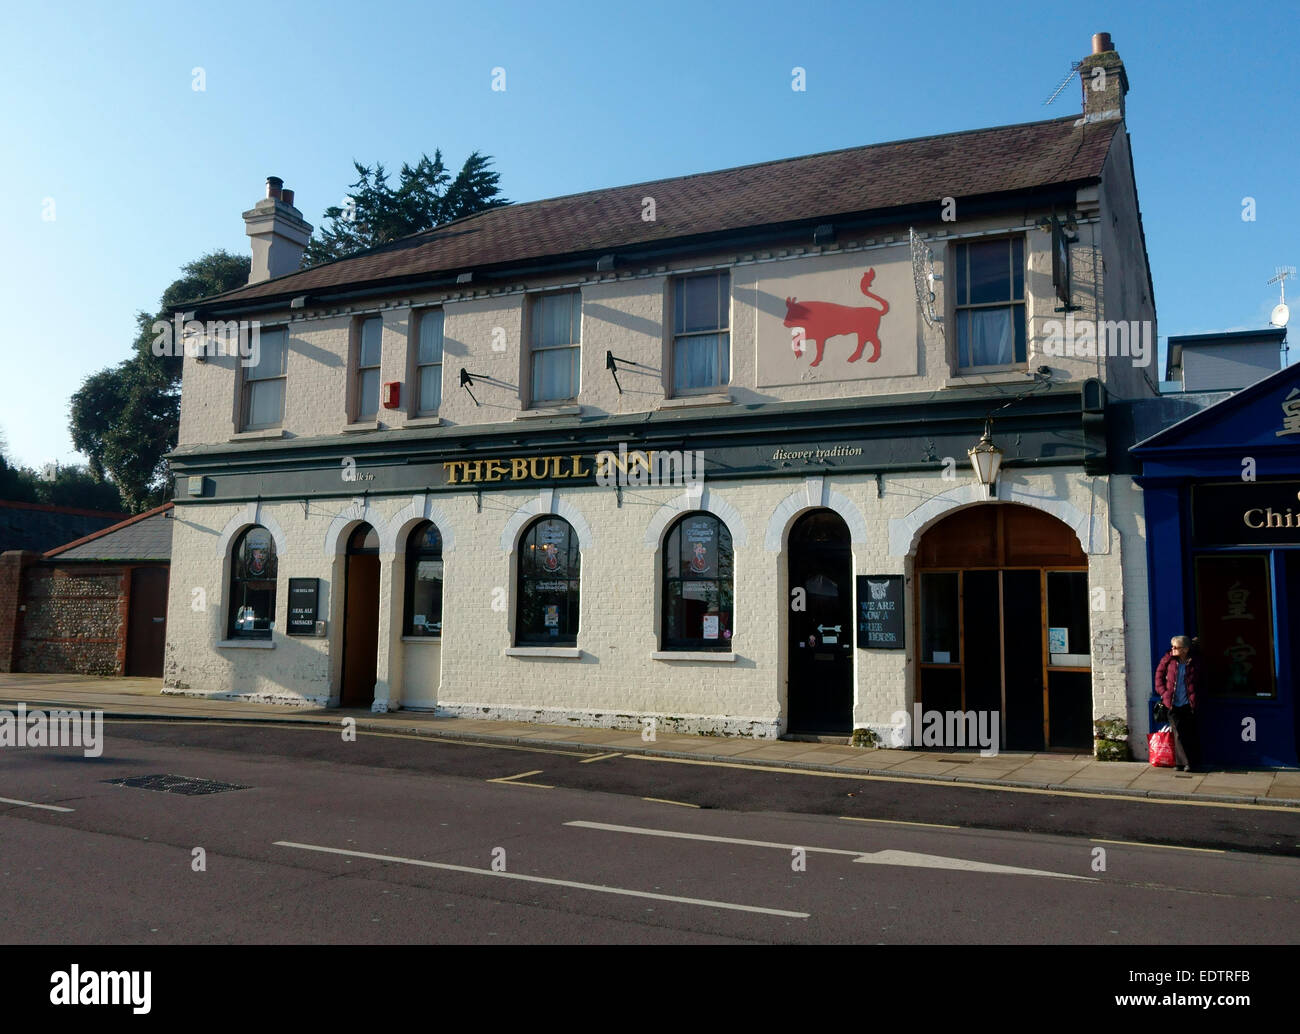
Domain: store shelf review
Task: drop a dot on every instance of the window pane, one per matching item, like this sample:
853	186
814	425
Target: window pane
555	374
555	320
367	393
431	324
272	345
430	388
695	362
939	621
1018	268
1067	613
370	335
990	272
252	596
990	337
265	403
700	303
426	597
1018	323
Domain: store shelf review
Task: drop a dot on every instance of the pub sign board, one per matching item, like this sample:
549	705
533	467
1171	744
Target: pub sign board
1246	513
304	594
880	612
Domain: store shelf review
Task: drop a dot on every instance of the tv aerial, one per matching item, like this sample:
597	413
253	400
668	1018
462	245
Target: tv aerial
1074	68
1281	313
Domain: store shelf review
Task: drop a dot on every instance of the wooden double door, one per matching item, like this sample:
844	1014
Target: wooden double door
1003	625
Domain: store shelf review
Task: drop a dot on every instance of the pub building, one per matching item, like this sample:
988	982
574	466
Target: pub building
1222	501
698	450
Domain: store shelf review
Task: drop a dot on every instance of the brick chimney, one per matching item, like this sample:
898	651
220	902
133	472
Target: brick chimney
278	232
1104	81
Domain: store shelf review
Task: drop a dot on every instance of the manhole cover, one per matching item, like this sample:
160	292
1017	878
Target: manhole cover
176	784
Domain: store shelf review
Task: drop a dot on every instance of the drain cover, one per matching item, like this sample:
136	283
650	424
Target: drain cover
176	784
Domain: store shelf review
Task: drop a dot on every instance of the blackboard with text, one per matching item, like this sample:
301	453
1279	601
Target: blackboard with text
303	595
880	612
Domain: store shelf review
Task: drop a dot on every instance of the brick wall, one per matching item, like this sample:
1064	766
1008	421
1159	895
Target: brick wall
75	619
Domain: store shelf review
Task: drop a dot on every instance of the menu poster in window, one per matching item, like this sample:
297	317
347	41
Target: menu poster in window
880	612
701	548
551	615
303	596
710	626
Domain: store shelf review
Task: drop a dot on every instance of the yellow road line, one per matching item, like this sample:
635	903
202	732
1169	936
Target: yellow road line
513	780
900	822
965	785
661	800
1168	847
334	728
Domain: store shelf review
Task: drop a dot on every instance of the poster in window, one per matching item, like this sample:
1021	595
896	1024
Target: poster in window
258	546
701	547
551	616
710	626
880	612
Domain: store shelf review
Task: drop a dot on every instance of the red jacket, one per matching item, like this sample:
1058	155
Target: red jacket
1167	679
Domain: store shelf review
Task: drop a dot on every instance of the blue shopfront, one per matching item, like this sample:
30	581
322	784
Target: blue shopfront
1222	497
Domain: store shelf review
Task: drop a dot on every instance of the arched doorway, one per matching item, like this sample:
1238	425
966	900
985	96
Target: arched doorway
360	618
1002	618
820	665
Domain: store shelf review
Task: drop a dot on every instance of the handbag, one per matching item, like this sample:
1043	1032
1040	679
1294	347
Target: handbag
1161	712
1160	747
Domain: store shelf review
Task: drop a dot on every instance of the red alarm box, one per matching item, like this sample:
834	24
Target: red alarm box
392	394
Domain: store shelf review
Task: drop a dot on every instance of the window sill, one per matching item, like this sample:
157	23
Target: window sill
423	421
569	652
429	639
999	376
361	425
269	432
716	657
246	644
545	411
715	399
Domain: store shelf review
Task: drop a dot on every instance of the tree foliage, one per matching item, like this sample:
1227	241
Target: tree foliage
125	418
427	195
72	486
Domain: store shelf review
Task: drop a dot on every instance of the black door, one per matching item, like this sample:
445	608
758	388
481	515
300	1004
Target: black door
146	636
821	626
361	619
1022	634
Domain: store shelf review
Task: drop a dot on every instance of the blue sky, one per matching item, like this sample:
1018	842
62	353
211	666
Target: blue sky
146	173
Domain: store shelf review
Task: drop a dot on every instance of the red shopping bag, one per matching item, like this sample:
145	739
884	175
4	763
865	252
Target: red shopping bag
1160	747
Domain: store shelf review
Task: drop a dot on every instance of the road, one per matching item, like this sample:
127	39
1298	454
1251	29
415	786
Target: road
405	839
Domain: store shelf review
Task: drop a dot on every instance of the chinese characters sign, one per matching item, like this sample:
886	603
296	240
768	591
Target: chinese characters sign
1234	614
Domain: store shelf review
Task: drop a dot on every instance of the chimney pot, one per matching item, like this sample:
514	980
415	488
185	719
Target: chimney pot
1101	42
278	234
273	187
286	196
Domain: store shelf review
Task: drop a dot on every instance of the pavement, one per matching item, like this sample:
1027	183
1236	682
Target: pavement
1081	773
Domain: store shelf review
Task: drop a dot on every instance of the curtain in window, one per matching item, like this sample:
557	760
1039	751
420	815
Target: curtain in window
990	337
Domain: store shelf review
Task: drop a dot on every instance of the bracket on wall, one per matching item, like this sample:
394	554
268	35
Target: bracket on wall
304	509
618	492
611	364
880	485
478	500
466	382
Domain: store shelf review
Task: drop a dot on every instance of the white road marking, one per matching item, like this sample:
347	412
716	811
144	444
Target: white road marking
914	860
30	804
887	857
1167	847
900	822
599	757
548	880
665	800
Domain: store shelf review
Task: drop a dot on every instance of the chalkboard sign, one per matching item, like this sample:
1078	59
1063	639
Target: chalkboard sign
880	612
303	594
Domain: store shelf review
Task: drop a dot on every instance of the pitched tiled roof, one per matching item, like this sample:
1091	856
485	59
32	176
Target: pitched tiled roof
836	183
38	526
146	536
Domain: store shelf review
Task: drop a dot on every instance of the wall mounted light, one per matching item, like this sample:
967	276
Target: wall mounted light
986	458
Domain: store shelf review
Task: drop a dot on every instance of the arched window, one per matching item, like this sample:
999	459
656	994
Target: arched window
252	585
698	580
549	573
424	581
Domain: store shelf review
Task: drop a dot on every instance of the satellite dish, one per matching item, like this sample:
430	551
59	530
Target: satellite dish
1279	316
